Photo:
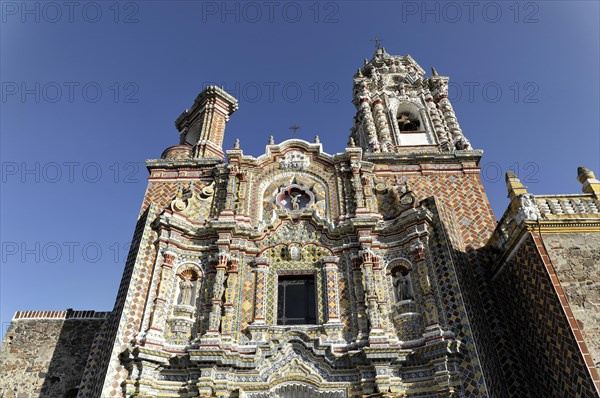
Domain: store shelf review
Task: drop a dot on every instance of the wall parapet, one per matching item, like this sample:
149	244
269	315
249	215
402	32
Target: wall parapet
68	314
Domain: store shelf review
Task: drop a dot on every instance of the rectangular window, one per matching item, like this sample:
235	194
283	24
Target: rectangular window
296	304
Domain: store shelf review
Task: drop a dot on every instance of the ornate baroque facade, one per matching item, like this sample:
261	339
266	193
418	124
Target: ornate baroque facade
380	271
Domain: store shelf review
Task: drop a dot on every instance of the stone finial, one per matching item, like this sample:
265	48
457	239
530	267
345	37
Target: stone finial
588	180
434	72
514	185
317	139
271	140
359	73
351	143
583	173
236	145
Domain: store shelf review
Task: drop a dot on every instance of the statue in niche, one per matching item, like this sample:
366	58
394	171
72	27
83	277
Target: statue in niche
403	289
294	201
185	292
295	198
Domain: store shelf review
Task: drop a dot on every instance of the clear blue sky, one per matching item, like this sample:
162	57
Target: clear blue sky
90	91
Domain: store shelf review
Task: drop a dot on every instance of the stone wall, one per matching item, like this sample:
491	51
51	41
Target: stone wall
44	352
576	258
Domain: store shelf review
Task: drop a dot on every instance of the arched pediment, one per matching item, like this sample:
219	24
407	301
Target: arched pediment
278	152
300	146
297	363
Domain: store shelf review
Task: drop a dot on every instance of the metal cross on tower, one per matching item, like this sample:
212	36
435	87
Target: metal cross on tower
294	127
377	41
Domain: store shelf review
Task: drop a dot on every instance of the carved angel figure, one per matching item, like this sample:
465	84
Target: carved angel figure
294	200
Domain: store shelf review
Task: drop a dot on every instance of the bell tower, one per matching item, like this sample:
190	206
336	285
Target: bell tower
203	125
399	110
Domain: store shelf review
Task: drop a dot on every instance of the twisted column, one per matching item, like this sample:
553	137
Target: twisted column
438	124
369	125
382	126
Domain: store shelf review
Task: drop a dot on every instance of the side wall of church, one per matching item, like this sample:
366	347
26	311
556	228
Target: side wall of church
44	353
575	257
538	324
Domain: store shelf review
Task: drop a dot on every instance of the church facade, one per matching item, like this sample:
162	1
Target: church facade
380	271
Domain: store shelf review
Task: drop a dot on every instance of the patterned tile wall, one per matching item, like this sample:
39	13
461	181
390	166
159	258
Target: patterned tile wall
539	328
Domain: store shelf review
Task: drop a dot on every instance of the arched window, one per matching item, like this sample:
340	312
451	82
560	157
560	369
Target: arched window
408	122
411	127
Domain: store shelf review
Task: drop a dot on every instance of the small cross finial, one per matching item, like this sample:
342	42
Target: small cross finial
377	41
294	127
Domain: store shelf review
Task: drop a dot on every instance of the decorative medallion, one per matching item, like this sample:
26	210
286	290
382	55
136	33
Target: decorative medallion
294	160
295	251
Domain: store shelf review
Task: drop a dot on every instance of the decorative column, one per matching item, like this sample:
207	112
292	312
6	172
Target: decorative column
460	142
382	125
438	124
227	326
369	125
379	279
156	331
440	94
214	318
341	172
370	202
240	198
431	318
230	196
330	269
376	332
357	186
439	90
359	294
333	327
258	329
